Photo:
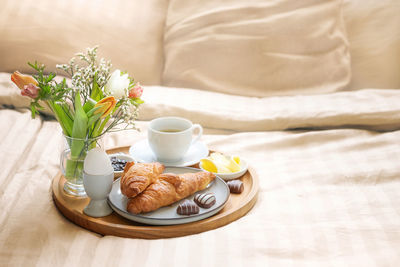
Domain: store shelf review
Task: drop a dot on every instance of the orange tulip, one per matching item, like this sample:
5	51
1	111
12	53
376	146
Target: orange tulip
21	80
106	105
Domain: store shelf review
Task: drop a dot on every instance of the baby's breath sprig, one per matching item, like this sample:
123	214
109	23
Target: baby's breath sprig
87	73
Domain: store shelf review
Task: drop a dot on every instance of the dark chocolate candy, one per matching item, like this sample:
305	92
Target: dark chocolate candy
205	200
187	207
235	186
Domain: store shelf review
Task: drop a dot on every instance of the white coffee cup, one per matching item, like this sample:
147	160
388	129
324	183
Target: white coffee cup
170	137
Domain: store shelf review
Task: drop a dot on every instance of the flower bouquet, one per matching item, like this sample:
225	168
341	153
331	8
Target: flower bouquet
96	102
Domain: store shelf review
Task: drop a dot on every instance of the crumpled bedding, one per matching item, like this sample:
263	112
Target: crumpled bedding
329	183
374	109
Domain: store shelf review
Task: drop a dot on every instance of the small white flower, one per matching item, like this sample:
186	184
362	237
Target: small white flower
117	85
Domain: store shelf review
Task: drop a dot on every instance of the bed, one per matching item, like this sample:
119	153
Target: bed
326	153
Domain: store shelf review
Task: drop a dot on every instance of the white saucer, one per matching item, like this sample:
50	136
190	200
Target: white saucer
141	152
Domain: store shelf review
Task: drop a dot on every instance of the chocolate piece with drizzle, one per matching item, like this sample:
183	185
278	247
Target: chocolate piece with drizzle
235	186
187	207
205	200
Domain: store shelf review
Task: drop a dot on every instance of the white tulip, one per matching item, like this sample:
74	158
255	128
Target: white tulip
117	85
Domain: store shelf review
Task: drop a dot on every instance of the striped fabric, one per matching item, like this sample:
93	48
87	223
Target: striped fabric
327	198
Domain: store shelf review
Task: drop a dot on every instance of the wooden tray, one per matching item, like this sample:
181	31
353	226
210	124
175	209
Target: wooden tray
72	208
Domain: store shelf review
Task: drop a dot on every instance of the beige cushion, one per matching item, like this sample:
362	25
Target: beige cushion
373	29
129	33
375	109
257	47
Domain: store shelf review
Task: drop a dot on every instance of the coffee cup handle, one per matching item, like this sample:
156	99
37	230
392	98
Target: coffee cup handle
197	138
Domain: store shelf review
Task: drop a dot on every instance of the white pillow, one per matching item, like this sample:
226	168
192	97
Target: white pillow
130	34
256	47
373	29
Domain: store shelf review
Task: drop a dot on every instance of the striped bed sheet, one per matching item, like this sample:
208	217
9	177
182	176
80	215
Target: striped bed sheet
328	169
326	198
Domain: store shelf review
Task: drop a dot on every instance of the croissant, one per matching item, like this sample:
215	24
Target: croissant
167	189
136	177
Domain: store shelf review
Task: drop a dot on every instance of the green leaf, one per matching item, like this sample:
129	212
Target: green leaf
136	101
63	117
50	77
79	129
139	101
89	105
33	111
96	93
94	118
80	120
99	130
91	112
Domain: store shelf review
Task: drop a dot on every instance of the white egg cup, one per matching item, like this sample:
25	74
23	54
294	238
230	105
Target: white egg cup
98	187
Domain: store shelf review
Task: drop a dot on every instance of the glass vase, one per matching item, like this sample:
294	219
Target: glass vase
71	162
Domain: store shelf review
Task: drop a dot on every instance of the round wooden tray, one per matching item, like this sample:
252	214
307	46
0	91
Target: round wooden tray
72	208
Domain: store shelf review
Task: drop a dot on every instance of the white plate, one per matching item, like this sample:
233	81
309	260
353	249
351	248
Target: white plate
141	152
167	215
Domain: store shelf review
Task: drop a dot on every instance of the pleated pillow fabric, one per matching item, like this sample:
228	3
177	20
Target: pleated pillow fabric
256	47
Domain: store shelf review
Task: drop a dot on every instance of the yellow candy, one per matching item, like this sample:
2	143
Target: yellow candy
233	166
218	163
236	159
208	165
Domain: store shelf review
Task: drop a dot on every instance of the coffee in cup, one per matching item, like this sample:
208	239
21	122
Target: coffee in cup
170	137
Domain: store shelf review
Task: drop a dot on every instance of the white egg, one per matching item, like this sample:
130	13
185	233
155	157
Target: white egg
97	162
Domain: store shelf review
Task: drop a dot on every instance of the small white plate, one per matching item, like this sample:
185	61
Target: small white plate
167	215
233	175
141	152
